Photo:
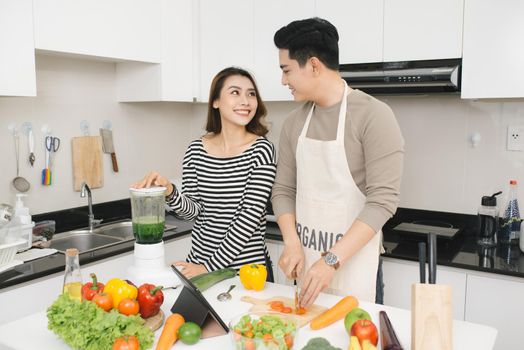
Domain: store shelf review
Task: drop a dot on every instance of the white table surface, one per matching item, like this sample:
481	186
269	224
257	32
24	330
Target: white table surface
31	332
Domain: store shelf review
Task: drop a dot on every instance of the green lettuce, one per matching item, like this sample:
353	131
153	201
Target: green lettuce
83	325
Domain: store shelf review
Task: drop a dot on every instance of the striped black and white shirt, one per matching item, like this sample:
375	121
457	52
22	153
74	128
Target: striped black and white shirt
228	198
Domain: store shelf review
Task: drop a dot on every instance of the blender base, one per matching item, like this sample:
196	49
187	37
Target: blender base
150	266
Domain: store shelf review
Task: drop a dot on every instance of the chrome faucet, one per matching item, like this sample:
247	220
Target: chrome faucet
92	221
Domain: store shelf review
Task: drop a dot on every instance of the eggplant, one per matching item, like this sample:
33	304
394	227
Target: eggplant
387	333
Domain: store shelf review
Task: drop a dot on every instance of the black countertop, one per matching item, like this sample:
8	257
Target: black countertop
460	251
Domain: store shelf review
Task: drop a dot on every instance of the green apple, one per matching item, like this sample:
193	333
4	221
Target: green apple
354	315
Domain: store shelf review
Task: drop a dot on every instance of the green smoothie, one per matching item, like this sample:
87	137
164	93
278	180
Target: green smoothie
148	231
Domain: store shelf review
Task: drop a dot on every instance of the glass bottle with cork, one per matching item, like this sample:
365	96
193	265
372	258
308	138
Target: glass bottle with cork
73	277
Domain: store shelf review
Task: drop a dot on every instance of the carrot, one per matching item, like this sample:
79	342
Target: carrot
335	313
169	332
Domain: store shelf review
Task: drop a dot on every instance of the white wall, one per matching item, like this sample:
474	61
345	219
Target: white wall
146	135
442	170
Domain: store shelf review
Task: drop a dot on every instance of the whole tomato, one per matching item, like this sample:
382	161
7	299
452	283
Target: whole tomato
127	342
365	329
128	307
103	300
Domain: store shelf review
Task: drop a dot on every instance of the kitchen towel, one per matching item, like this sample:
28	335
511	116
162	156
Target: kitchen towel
34	253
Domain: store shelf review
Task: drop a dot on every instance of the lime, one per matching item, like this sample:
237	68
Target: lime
189	333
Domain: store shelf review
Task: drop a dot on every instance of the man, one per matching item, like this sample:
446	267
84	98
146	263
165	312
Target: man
339	169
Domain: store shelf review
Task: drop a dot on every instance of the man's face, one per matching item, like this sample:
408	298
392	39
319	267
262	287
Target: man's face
298	79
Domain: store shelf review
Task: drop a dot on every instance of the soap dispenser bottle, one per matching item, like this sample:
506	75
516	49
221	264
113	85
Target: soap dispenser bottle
22	218
488	219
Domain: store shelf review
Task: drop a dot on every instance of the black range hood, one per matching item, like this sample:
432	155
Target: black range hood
405	77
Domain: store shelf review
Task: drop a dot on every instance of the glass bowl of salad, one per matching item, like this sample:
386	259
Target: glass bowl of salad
263	331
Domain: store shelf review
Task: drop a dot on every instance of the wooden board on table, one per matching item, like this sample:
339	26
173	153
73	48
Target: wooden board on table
87	161
155	322
262	305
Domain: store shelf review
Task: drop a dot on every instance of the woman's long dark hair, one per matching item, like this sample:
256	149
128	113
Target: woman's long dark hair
214	125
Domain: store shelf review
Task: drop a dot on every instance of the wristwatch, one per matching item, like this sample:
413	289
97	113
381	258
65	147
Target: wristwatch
331	259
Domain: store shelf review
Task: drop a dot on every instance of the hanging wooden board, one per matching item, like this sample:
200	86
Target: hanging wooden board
87	161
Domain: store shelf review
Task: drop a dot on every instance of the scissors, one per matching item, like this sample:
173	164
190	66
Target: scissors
52	144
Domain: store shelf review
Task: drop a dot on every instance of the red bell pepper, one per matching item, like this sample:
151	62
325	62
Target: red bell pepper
150	298
90	289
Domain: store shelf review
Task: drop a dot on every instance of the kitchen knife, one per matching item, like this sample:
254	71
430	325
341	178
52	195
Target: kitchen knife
432	258
108	146
296	296
422	261
296	290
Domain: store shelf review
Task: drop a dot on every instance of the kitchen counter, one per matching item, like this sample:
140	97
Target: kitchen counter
56	263
460	252
465	335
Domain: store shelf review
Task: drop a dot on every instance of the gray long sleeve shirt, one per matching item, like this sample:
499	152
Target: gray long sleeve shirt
374	151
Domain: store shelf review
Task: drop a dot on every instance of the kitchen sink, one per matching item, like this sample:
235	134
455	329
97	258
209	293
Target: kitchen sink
83	240
101	237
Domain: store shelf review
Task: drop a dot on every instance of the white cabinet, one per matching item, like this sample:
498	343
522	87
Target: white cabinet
399	275
172	79
17	53
360	25
422	29
112	29
493	49
497	301
226	38
270	16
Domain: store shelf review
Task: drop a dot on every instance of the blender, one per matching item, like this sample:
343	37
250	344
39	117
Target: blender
148	219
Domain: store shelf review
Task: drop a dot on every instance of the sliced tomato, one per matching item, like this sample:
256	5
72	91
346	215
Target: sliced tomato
286	310
301	311
276	304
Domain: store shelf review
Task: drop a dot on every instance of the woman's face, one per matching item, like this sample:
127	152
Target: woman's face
237	103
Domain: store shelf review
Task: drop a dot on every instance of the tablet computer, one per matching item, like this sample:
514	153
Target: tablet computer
192	305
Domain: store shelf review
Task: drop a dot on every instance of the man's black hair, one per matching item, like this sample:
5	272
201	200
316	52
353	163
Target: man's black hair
306	38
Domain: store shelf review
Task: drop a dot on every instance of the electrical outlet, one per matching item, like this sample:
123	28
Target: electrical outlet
515	138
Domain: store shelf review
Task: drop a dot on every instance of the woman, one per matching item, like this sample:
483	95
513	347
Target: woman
227	179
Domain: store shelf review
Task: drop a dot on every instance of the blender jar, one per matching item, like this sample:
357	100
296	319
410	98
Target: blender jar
148	214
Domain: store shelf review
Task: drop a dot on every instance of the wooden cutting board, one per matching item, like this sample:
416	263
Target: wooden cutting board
87	161
155	322
262	305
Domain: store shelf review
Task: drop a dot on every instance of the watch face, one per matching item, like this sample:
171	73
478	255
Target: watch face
330	258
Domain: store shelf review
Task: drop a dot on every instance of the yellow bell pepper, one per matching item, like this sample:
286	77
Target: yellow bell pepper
253	276
120	289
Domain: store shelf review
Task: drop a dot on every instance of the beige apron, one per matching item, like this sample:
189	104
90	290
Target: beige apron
327	203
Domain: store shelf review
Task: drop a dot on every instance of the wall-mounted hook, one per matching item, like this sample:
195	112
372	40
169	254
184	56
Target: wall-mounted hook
107	124
84	127
26	127
12	128
46	130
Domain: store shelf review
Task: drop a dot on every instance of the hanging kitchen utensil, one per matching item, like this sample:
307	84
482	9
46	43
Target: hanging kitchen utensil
87	161
31	140
431	306
20	183
108	146
52	144
28	129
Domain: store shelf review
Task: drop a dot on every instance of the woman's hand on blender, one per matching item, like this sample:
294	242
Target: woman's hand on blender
154	179
189	269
